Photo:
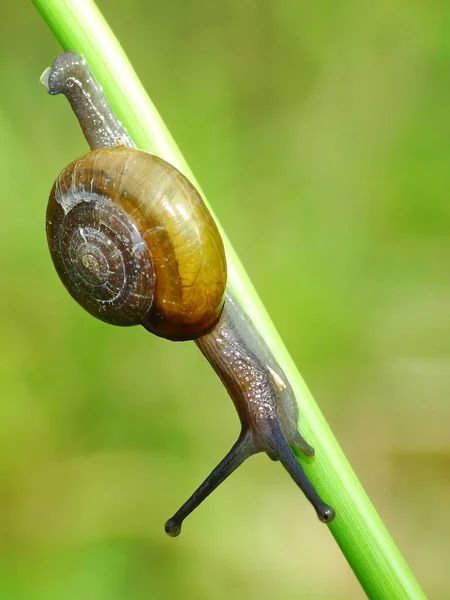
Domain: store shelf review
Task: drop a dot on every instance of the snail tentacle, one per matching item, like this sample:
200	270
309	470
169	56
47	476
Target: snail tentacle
243	448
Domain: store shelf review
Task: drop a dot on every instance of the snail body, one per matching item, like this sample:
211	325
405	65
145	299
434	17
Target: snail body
133	243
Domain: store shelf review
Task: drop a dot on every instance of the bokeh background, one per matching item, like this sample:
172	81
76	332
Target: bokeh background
320	133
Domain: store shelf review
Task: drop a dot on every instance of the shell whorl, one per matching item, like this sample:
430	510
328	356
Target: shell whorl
133	243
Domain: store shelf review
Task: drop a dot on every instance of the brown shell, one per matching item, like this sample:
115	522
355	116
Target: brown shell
133	243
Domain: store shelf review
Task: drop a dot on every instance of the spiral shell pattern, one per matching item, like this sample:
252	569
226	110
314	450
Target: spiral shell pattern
133	243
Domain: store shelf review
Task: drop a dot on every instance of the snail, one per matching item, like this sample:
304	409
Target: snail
133	243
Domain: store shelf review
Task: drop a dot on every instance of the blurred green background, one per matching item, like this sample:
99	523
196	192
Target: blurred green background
320	134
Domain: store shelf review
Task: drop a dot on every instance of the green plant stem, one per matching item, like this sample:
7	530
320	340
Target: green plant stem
360	533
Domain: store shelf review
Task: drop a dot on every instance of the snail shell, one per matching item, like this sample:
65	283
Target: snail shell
133	243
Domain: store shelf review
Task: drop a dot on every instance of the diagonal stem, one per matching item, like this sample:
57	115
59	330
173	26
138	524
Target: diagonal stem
79	26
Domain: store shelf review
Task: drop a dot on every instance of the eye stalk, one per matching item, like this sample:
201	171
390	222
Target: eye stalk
133	243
